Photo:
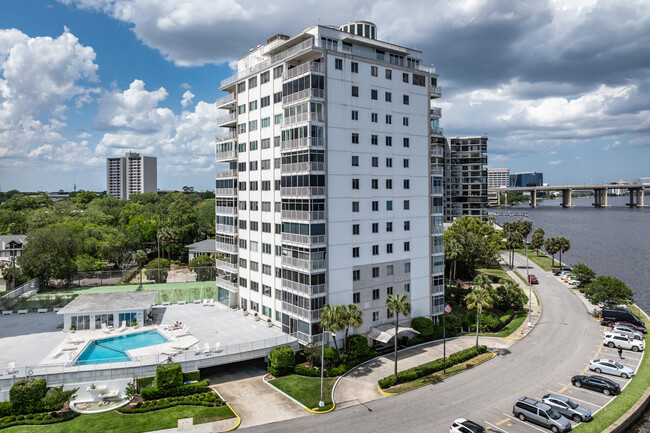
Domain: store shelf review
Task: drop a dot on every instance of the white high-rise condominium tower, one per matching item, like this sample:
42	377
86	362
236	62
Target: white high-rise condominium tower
131	174
332	188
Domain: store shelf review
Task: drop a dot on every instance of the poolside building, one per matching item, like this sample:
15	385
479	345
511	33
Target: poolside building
91	311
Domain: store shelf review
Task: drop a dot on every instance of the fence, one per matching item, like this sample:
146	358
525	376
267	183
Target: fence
132	276
29	286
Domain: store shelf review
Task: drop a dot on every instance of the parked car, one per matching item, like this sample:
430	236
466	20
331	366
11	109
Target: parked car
615	340
567	407
620	327
462	425
597	383
613	315
528	409
638	328
572	281
608	366
533	279
558	271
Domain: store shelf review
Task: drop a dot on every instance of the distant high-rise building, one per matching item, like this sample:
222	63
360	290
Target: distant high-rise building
465	177
498	177
131	174
533	178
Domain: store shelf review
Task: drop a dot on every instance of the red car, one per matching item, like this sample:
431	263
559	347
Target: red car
533	279
631	325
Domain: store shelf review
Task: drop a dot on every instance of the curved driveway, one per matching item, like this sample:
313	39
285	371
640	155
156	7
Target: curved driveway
555	350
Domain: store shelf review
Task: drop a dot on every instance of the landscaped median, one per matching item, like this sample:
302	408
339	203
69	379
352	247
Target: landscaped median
306	390
430	372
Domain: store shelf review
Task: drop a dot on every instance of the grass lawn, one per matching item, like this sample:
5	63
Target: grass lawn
132	423
543	261
495	274
514	324
438	376
626	399
306	389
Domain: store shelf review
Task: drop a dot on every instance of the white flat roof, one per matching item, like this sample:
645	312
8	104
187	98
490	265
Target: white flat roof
110	302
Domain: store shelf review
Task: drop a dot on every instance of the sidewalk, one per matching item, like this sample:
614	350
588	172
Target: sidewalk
536	308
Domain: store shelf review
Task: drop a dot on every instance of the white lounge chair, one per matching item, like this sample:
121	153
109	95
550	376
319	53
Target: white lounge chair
197	301
106	329
184	331
122	327
197	350
208	302
11	368
206	349
217	346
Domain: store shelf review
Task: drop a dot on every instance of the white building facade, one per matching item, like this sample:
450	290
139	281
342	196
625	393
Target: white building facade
327	190
498	177
131	174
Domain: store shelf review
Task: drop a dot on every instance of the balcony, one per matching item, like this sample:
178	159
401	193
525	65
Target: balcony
225	192
225	155
437	151
303	215
437	190
438	290
225	228
303	143
436	210
435	130
298	167
435	112
221	174
228	248
302	191
303	288
303	239
435	92
301	69
303	95
228	285
226	266
303	265
227	121
311	315
231	135
227	101
437	249
225	210
303	117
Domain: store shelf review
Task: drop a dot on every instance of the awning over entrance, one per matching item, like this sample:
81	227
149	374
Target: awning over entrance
384	333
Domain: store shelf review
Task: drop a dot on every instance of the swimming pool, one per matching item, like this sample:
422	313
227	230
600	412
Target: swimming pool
113	349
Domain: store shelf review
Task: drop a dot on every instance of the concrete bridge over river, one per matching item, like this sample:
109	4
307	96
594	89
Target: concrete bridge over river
600	193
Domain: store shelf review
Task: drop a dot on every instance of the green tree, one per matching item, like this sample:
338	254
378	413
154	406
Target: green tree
514	240
156	273
353	319
552	246
452	254
333	319
479	298
537	241
204	267
524	226
88	263
140	258
397	304
609	291
564	245
510	296
479	243
84	197
583	274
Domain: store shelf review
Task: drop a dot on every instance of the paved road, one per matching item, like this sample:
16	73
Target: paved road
565	338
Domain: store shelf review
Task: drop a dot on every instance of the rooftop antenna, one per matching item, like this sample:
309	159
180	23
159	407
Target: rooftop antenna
75	187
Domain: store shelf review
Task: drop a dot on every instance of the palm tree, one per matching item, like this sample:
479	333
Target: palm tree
524	226
353	319
564	245
511	292
166	236
482	280
537	241
552	247
397	304
452	254
479	298
514	239
331	318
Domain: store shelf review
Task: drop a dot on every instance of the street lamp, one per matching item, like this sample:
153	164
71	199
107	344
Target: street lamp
321	403
530	290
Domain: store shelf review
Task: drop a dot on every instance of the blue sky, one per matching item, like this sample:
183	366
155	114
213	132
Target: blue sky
560	87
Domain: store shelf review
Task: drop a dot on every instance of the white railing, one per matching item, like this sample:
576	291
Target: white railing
303	94
300	143
303	215
303	288
436	130
228	285
302	191
304	117
437	171
437	249
225	228
308	265
230	135
297	167
435	111
225	99
230	192
303	239
228	118
301	69
302	312
225	210
226	266
222	246
438	290
437	151
436	90
225	155
438	229
437	190
438	309
436	209
226	173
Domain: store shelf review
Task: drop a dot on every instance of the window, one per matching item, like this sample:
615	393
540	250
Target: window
277	119
389	289
254	246
355	206
355	161
374	117
266	165
389	97
266	269
252	126
407	205
242	224
253	165
407	287
254	205
241	128
389	74
354	67
389	205
265	77
375	227
407	267
389	183
254	225
389	248
242	147
255	287
241	87
389	226
265	101
375	206
241	109
355	183
355	91
405	121
338	64
278	227
276	141
375	272
277	163
405	77
243	263
355	115
266	205
243	282
255	266
389	120
389	272
277	98
407	246
356	298
241	166
406	162
375	294
375	316
405	99
373	94
419	80
242	186
406	142
356	275
407	226
389	141
266	122
242	204
355	252
374	71
252	105
375	250
242	244
389	162
253	145
374	139
375	161
277	72
278	252
355	138
375	183
407	184
266	227
252	82
355	229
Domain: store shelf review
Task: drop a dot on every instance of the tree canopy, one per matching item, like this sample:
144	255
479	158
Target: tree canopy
609	291
477	244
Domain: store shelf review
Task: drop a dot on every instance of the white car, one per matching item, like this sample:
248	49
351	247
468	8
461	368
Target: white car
626	330
462	425
572	281
608	366
612	340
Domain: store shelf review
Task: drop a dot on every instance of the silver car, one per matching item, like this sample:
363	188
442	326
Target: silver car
528	409
608	366
626	330
567	407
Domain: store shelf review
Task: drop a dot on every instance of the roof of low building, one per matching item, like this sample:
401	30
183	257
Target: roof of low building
209	245
110	302
4	239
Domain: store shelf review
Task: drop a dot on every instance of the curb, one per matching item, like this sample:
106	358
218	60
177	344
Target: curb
227	404
384	392
297	402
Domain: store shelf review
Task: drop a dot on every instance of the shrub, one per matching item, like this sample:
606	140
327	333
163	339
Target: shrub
331	356
424	326
56	397
169	376
191	375
158	273
358	348
282	360
154	393
26	395
5	409
144	382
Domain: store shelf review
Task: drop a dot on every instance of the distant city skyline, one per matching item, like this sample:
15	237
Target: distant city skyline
559	87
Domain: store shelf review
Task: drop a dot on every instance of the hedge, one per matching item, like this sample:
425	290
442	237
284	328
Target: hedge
154	393
169	376
207	399
26	395
144	382
37	419
191	375
281	360
5	409
334	371
431	367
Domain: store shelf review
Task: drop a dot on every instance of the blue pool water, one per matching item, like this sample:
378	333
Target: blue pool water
113	349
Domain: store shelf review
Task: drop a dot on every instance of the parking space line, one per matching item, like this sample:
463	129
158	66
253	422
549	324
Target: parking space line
498	428
563	389
580	400
503	421
609	397
526	424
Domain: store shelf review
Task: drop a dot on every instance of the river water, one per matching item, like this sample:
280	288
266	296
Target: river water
612	241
